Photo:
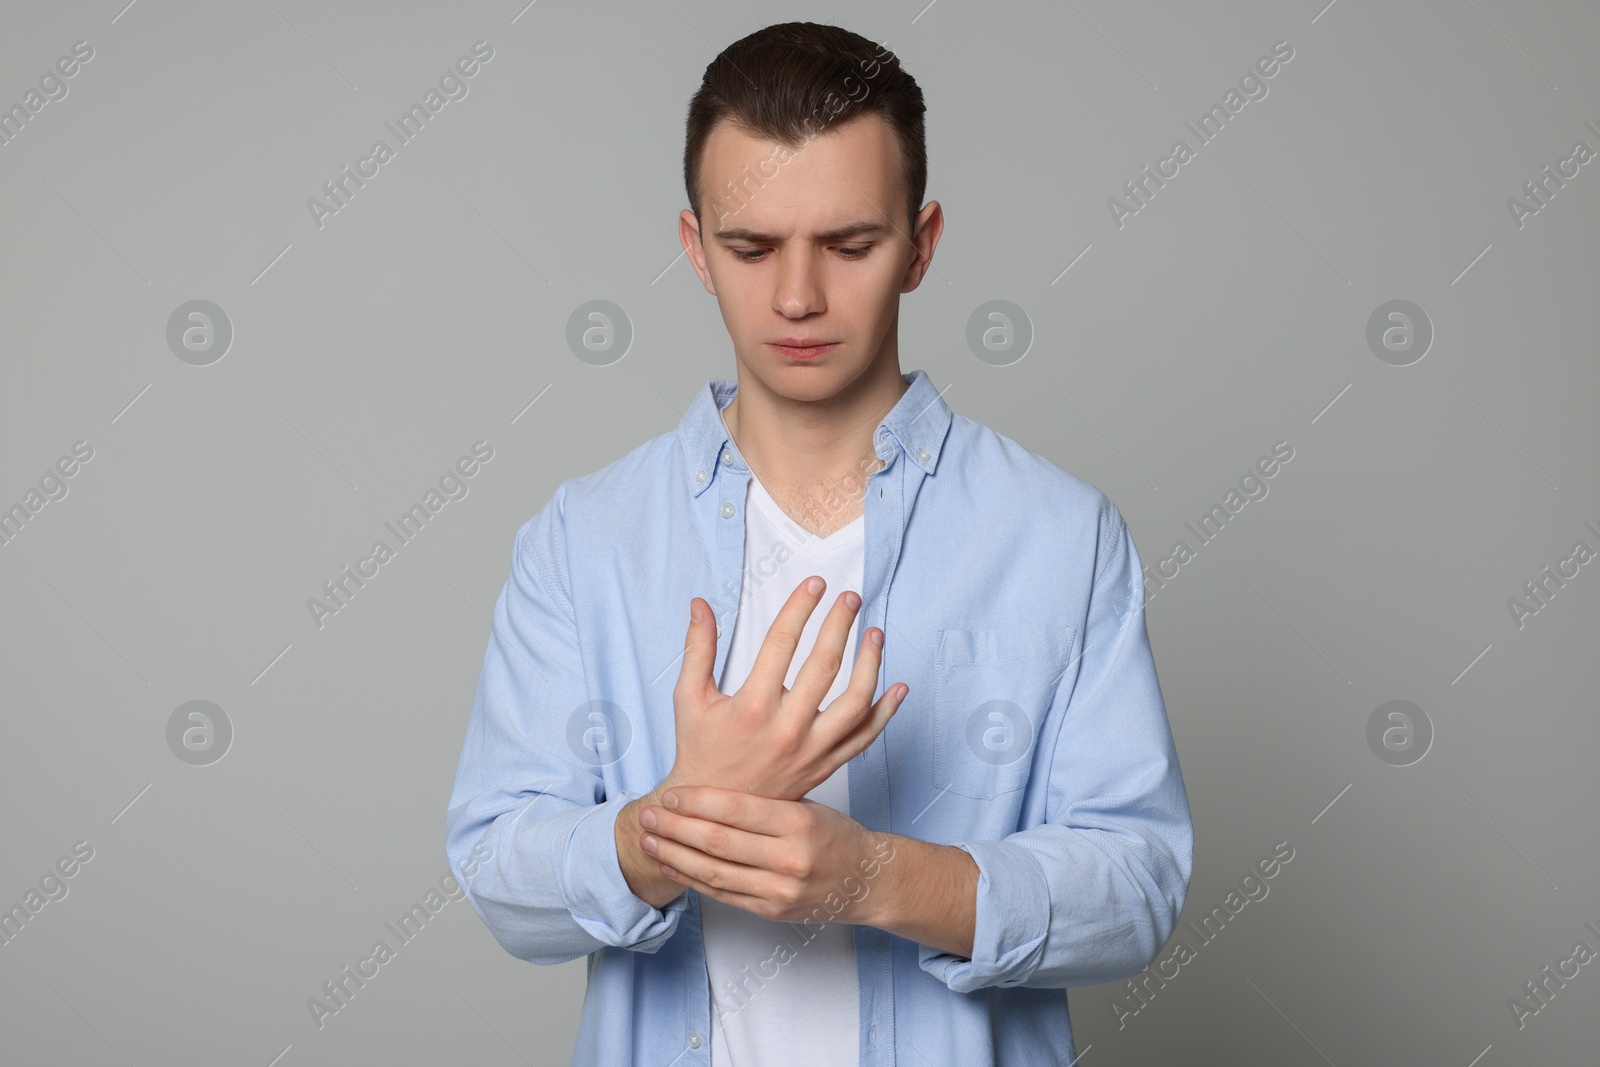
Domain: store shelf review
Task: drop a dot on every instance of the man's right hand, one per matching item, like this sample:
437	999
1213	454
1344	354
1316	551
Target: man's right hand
767	739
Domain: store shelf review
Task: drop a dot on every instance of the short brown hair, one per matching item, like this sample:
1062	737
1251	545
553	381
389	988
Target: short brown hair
776	82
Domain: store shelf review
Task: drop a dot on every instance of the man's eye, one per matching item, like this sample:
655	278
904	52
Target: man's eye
853	252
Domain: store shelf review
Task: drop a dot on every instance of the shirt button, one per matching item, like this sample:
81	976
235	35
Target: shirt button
699	476
872	1034
922	455
727	456
727	511
694	1039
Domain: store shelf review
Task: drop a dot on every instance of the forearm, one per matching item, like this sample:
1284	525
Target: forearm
928	894
642	870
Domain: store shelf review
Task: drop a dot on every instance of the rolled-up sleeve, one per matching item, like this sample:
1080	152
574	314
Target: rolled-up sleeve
530	831
1092	893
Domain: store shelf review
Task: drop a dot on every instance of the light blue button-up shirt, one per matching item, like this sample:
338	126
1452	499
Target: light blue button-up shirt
1034	736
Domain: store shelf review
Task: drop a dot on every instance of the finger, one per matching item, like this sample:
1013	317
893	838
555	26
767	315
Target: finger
715	839
753	905
856	741
827	654
852	707
734	807
783	637
699	652
717	873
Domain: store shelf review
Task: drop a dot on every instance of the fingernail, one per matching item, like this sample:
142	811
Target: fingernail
671	800
648	819
815	585
852	599
694	610
877	637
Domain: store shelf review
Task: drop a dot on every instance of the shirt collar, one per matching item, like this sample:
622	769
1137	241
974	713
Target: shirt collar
917	425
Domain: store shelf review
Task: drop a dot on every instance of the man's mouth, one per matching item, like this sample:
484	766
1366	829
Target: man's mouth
801	347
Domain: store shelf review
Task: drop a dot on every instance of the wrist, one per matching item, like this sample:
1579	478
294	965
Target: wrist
641	870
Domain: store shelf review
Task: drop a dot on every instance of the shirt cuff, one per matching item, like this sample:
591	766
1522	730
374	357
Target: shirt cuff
1011	922
597	893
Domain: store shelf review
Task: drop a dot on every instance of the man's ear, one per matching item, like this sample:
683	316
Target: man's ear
689	235
927	227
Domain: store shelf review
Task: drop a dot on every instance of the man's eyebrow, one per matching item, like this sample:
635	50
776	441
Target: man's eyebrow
838	233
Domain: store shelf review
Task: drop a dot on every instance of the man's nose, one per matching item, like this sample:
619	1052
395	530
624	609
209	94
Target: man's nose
799	289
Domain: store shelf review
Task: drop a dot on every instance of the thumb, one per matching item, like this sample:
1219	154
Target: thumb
699	650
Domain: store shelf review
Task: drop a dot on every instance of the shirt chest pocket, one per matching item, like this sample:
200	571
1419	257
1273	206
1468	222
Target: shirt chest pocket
992	688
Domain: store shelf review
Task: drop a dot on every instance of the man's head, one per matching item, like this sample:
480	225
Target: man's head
798	132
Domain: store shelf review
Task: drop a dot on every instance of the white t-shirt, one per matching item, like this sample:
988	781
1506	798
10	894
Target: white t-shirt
785	994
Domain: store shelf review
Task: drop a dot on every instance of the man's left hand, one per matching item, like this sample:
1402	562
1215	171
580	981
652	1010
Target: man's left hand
784	860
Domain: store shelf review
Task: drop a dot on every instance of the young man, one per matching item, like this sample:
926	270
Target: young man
892	831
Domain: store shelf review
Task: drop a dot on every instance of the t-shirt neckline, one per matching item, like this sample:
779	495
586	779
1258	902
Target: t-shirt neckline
813	542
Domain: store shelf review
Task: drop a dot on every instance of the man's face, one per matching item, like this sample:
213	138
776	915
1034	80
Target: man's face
786	260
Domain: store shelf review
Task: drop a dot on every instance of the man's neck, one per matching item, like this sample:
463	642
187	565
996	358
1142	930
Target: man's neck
814	457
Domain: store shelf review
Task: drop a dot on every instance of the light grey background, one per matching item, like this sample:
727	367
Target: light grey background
431	311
